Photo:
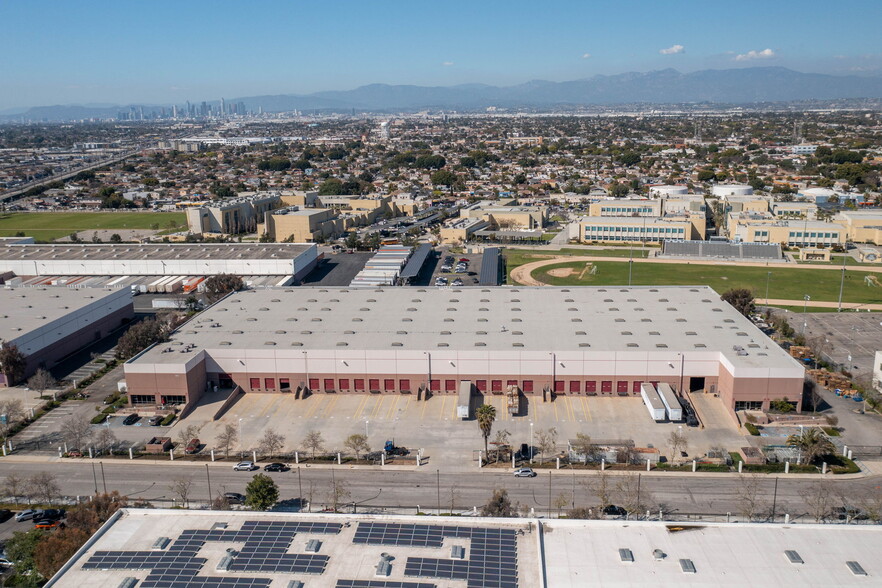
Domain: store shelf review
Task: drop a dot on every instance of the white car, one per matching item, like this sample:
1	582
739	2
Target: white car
245	466
524	473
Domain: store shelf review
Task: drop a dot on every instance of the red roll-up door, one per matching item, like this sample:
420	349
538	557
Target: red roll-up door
450	385
374	385
606	386
344	384
313	383
559	386
388	385
254	383
404	385
635	387
496	385
359	384
329	384
511	382
481	385
622	388
528	386
269	383
435	385
574	386
591	387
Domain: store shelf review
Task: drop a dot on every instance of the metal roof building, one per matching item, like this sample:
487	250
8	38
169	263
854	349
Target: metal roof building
579	340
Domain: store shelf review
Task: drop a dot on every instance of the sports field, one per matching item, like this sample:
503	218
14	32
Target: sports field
788	283
48	226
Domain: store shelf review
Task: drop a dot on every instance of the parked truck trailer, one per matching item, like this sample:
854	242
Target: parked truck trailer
653	402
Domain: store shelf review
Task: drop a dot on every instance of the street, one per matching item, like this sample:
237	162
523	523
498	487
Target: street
399	491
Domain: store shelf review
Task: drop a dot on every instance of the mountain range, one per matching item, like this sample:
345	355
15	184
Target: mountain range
669	86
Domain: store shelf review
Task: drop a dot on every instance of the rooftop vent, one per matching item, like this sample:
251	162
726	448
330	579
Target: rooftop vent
687	566
457	552
443	344
160	543
793	556
313	545
626	555
856	568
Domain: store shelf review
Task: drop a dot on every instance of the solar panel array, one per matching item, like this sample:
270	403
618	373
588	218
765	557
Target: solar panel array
493	561
265	544
382	584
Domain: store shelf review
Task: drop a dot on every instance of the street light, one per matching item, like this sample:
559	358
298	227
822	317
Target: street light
805	302
531	443
768	277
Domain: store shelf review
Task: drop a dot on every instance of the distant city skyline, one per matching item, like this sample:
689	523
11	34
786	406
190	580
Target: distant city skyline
164	52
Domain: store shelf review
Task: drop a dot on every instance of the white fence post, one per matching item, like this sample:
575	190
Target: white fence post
786	467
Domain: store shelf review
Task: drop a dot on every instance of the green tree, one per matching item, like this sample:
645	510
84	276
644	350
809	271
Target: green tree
705	175
274	164
499	505
443	177
12	362
629	158
218	286
352	241
430	162
115	238
812	443
486	415
741	299
20	550
261	492
330	187
140	336
358	444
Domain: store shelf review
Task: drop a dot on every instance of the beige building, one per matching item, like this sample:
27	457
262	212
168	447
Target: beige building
637	230
625	208
766	228
746	203
861	226
303	225
795	210
233	216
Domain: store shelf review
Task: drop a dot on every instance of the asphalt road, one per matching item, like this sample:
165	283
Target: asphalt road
401	490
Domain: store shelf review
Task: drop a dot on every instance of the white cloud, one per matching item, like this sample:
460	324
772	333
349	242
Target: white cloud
672	50
586	56
447	63
751	55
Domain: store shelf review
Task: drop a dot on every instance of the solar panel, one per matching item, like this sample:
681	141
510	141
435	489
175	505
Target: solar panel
382	584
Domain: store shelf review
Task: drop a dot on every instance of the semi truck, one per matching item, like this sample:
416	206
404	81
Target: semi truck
653	402
464	404
671	402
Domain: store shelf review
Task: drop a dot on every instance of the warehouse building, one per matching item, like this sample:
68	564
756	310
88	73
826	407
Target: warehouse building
48	324
165	259
543	341
239	549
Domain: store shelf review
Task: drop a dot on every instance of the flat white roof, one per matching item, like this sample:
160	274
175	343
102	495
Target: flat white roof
24	309
639	320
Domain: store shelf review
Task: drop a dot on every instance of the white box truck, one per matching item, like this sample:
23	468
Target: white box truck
464	405
671	402
653	403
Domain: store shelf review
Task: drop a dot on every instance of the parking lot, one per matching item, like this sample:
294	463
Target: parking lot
858	334
448	441
445	258
337	269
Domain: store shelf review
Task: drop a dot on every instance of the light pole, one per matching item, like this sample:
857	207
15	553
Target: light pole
240	435
768	277
842	279
366	428
805	302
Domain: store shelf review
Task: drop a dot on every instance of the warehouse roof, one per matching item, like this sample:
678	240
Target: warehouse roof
24	309
579	319
153	251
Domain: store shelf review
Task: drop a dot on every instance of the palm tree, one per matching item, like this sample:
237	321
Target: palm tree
812	444
486	414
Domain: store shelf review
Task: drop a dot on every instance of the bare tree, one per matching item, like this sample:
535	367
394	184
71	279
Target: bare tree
185	434
42	487
14	486
40	381
271	443
584	446
819	501
547	441
226	439
338	492
357	443
750	502
105	439
14	411
314	442
181	488
560	502
634	497
501	440
871	504
678	442
601	487
76	431
220	502
453	494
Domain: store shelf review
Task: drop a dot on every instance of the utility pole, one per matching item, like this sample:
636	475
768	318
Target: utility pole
300	487
775	499
208	477
438	472
842	279
103	479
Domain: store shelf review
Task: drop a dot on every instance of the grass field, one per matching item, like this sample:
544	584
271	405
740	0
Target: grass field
48	226
790	283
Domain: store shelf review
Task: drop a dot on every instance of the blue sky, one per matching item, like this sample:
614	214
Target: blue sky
94	51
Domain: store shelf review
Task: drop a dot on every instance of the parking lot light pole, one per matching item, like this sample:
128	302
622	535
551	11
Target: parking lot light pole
768	277
531	442
805	302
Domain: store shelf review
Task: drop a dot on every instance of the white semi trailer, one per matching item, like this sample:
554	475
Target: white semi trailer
671	402
653	402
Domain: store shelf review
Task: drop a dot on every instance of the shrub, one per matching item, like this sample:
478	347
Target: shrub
752	429
99	419
168	420
831	431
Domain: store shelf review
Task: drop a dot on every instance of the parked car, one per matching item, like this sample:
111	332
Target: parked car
26	515
613	510
53	514
75	453
245	466
5	563
457	282
275	467
192	447
131	419
48	524
524	473
235	498
5	515
155	420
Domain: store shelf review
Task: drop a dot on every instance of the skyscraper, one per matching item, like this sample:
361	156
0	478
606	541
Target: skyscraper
223	107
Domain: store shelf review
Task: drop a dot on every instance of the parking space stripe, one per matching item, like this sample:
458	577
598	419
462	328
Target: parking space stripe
423	411
392	407
360	408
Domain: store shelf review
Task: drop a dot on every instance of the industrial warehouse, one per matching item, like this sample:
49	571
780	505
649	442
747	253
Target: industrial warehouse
47	324
165	267
533	341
